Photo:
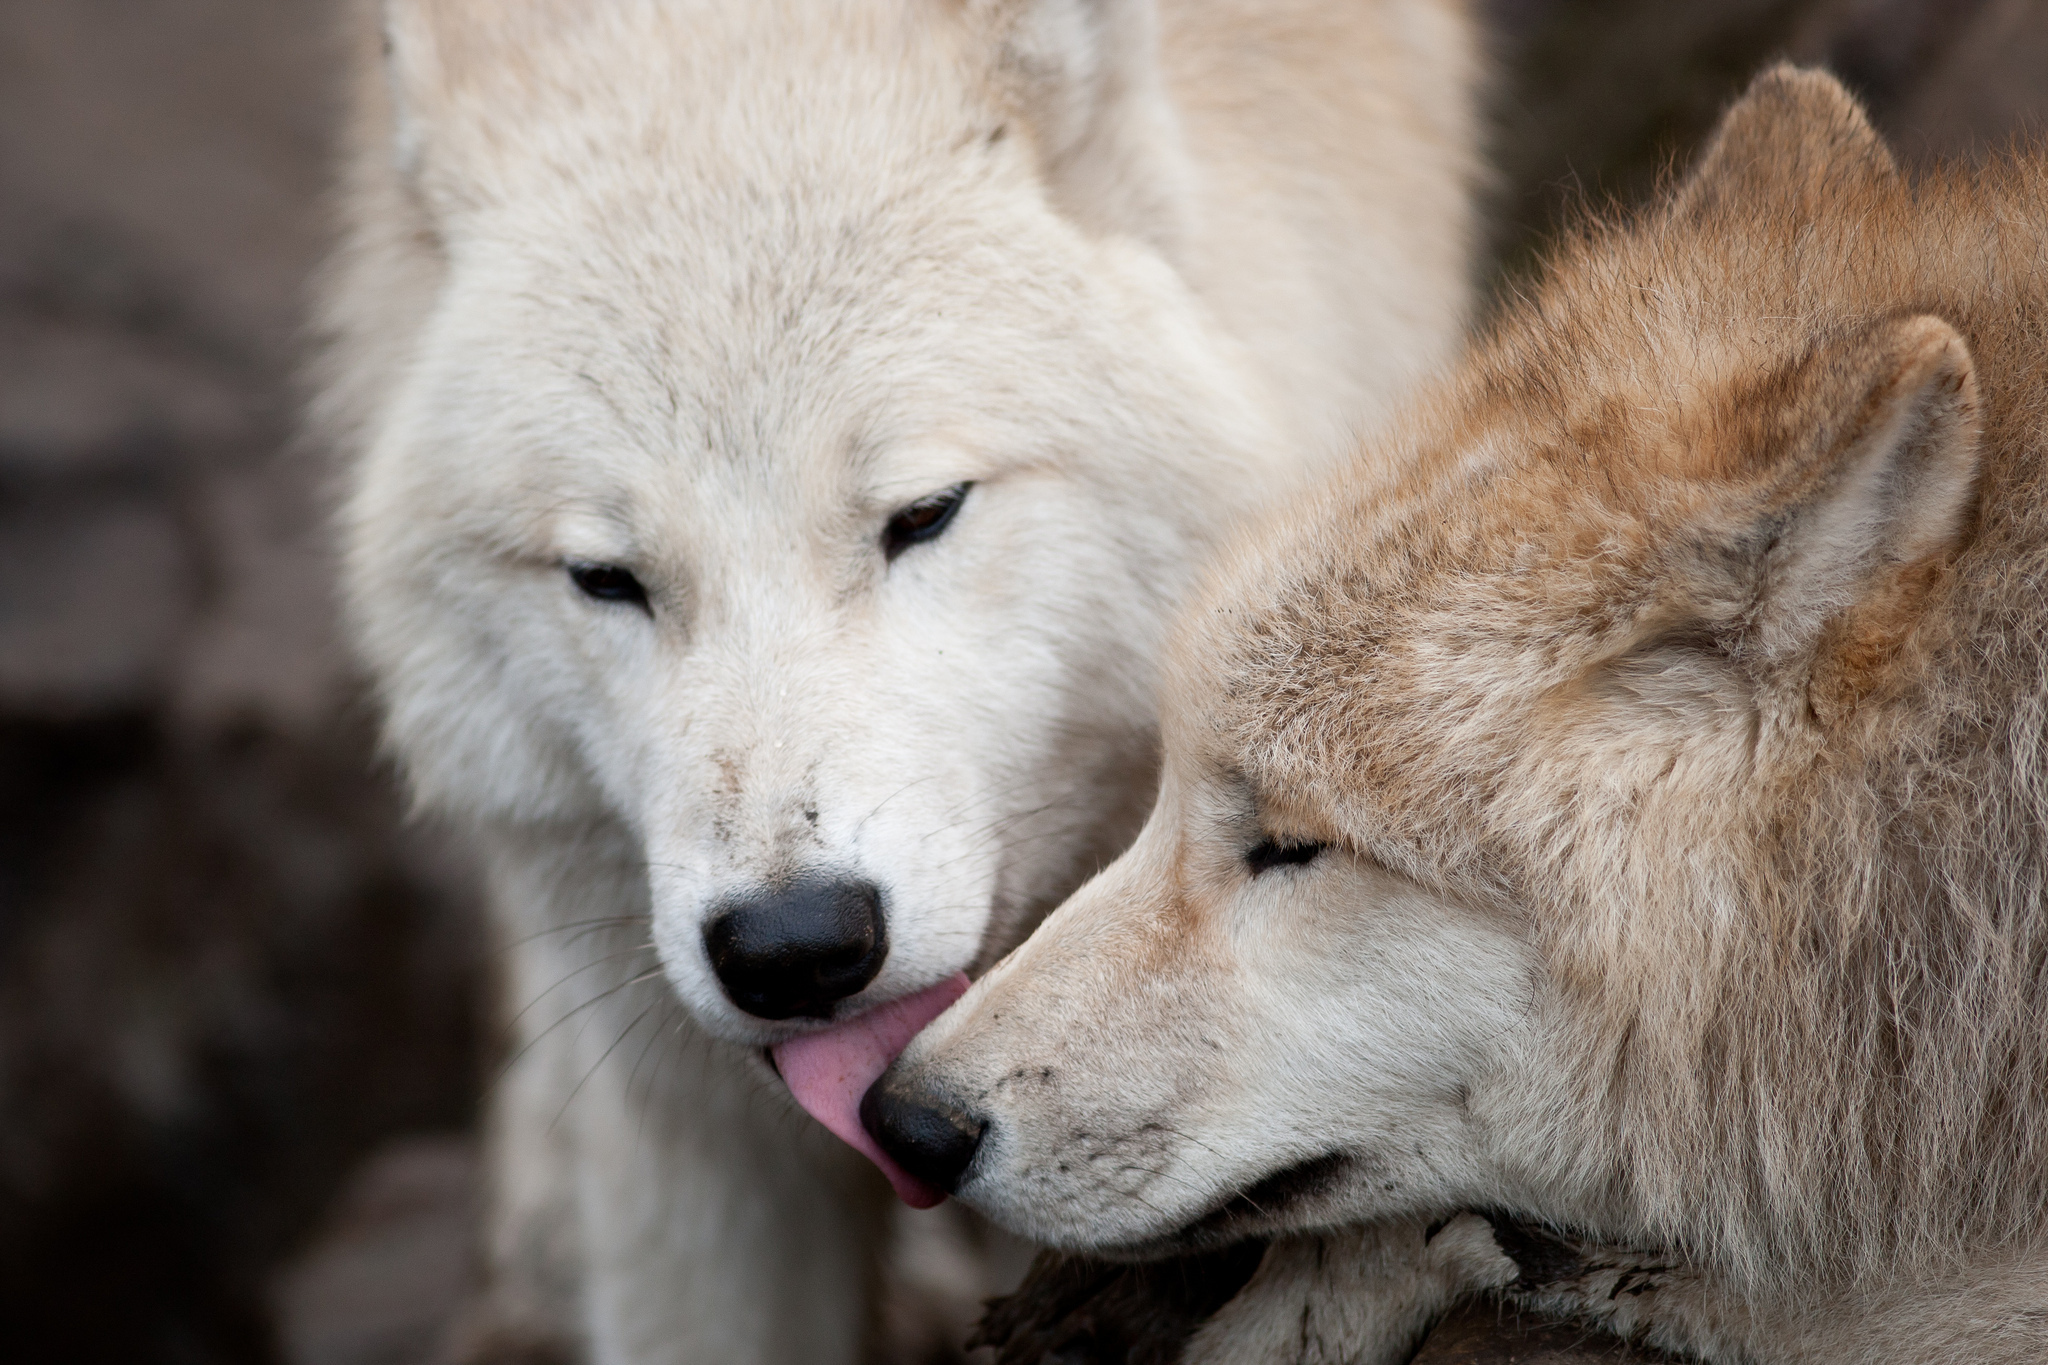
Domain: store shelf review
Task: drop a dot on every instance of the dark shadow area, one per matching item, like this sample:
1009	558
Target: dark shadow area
228	971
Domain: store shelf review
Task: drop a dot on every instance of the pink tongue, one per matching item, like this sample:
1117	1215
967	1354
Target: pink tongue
829	1072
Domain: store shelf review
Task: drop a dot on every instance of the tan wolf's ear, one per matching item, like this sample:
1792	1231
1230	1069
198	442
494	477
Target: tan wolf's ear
1084	76
1890	488
1794	139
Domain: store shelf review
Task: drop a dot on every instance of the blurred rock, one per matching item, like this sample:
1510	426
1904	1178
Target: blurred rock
394	1261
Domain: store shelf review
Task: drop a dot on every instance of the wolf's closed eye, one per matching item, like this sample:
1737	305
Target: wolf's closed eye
609	583
1270	853
925	519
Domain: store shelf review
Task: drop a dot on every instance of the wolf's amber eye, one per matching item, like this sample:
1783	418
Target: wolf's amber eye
1270	853
925	519
609	583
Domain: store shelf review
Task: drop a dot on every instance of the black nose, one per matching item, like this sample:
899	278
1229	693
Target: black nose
800	950
926	1136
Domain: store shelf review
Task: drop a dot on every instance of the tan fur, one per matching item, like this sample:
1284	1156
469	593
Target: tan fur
1493	698
1676	715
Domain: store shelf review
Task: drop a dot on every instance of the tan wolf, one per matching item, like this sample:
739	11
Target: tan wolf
1627	819
778	431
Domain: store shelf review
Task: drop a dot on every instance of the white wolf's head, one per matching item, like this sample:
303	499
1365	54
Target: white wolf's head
793	462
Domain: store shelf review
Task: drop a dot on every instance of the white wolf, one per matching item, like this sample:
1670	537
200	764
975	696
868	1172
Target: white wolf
778	432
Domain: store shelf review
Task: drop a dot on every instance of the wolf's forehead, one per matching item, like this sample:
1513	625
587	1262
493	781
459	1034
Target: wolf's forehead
1404	598
693	310
780	235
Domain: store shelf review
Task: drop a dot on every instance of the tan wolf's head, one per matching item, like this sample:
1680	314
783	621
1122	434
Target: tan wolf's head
1631	815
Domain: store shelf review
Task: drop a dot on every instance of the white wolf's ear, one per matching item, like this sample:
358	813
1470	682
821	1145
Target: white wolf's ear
1885	495
1084	75
1792	141
412	73
423	71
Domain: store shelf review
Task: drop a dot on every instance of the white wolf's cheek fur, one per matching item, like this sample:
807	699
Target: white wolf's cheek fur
929	738
466	653
1141	1062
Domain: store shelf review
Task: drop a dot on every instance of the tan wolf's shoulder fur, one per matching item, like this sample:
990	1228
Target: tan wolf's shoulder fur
1624	810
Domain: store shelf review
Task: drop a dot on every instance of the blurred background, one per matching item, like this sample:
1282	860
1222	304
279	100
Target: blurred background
243	1020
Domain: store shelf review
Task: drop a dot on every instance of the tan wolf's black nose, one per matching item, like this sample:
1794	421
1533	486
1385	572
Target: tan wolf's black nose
933	1140
799	950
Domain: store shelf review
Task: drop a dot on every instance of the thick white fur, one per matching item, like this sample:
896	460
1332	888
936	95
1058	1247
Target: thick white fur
709	290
